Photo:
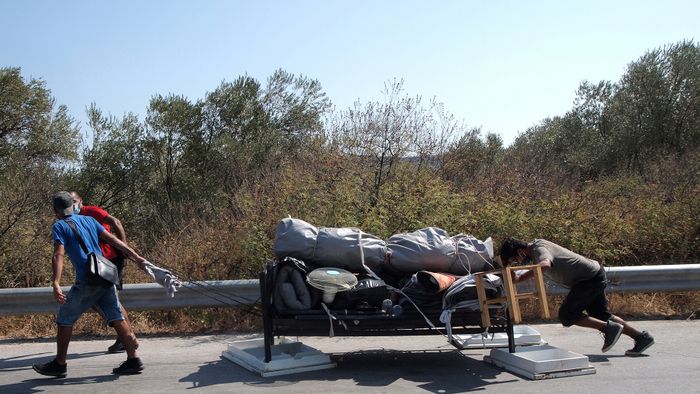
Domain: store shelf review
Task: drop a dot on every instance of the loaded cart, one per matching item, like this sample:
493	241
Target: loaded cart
365	320
343	282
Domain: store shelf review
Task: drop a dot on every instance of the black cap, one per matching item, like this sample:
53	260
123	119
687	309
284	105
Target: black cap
63	203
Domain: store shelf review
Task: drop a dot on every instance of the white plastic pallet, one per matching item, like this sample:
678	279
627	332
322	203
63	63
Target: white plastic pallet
522	335
288	357
541	362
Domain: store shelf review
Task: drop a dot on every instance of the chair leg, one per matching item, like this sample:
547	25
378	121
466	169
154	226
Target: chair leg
481	293
513	305
541	292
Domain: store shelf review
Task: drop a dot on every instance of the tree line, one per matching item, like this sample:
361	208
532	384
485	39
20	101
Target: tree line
200	184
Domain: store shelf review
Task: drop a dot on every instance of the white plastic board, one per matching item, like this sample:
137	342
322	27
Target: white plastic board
541	362
287	357
523	336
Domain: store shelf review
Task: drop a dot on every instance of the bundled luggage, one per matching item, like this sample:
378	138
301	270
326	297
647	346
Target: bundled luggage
433	268
432	249
328	247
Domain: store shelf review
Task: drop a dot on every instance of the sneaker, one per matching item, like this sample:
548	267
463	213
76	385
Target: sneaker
641	343
131	366
611	333
51	369
117	347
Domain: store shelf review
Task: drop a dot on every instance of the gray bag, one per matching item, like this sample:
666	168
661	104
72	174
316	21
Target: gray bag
101	271
473	255
429	249
328	246
432	249
340	247
295	238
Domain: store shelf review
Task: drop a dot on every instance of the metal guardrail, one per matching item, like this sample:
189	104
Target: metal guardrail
38	300
142	296
646	279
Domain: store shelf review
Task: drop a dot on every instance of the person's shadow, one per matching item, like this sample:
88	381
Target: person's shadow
601	358
40	383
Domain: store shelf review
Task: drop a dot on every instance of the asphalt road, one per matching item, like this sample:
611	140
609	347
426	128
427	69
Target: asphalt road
384	364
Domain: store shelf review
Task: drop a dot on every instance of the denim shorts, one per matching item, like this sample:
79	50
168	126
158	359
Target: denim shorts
82	297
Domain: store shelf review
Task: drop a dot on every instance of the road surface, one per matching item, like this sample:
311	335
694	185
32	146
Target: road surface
382	364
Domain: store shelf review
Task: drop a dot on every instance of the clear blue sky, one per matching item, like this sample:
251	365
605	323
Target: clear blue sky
501	65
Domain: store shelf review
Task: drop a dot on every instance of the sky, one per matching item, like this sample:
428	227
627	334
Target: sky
500	65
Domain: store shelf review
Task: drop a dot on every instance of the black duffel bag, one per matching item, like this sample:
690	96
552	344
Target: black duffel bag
368	293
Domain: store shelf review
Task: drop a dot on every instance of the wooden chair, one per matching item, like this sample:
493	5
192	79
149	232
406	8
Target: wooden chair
512	298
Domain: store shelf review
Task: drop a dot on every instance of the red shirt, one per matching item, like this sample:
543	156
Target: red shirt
101	216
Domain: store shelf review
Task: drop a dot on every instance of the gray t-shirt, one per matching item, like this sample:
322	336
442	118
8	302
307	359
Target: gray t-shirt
568	268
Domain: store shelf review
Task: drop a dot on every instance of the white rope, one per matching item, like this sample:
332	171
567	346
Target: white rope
330	319
458	255
446	318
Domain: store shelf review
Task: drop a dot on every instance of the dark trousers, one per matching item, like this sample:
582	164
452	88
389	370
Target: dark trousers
588	296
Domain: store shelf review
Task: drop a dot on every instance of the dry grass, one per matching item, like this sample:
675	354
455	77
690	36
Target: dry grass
181	321
685	305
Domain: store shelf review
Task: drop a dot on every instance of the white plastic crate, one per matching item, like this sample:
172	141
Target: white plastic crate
523	336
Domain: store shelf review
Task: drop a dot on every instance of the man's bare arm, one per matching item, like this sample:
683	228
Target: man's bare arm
57	269
545	264
116	227
124	248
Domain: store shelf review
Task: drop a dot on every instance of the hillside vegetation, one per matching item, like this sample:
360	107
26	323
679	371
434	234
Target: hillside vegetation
200	184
